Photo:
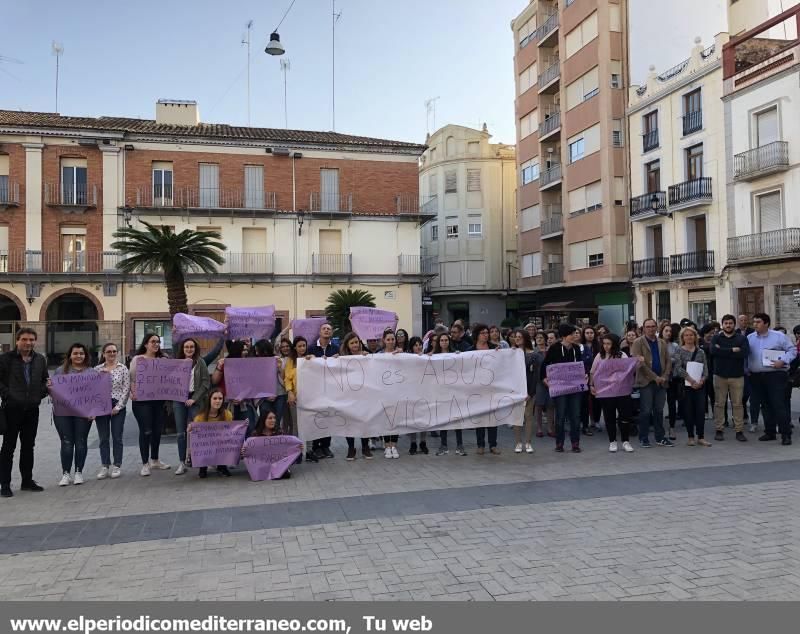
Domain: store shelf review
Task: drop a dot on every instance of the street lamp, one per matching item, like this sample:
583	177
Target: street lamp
300	217
655	205
274	47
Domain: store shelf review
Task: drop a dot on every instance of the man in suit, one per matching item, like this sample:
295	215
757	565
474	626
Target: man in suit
652	379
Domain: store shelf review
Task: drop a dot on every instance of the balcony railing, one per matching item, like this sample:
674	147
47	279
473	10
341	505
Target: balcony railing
204	198
687	193
70	195
246	263
692	122
9	194
417	265
407	203
694	262
651	267
552	225
551	73
769	244
332	263
550	25
554	274
643	205
550	124
650	140
550	176
773	157
331	202
431	206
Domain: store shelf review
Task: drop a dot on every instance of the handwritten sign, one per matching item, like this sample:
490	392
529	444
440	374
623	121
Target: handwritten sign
308	328
212	444
370	323
255	377
614	377
566	378
185	326
383	394
256	322
86	394
162	379
269	457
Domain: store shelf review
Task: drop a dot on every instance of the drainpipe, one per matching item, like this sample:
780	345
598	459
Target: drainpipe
296	239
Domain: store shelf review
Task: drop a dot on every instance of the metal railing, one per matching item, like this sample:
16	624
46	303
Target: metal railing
9	193
650	140
765	245
406	203
550	25
643	204
549	176
330	202
204	198
554	274
431	206
417	264
552	225
651	267
693	262
550	73
331	263
771	157
697	189
68	194
553	122
692	122
246	263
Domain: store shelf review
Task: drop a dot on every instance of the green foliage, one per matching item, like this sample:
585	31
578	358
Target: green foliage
338	309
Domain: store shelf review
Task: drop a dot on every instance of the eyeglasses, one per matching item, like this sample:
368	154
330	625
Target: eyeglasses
110	352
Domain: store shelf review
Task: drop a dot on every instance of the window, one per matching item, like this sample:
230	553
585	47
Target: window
4	187
583	88
692	112
528	78
584	143
530	171
694	162
74	189
433	185
586	199
161	328
450	182
527	32
433	154
663	305
614	18
652	176
528	124
577	150
650	131
209	185
254	186
434	233
450	146
769	214
767	127
329	190
530	218
650	121
452	228
73	249
617	133
473	148
581	35
616	73
583	255
531	265
595	259
475	227
691	102
473	180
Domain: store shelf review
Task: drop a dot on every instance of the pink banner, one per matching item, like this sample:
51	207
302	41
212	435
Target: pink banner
269	457
86	394
255	322
212	444
566	378
614	377
308	328
185	326
370	323
251	377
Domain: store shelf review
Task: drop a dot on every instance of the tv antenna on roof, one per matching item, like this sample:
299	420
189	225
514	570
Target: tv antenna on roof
57	49
286	66
246	40
430	107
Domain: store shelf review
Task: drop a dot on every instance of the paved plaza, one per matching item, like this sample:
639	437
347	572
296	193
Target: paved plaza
666	524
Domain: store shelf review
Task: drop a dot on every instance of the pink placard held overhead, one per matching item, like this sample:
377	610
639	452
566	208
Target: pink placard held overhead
370	323
254	322
185	326
255	377
308	328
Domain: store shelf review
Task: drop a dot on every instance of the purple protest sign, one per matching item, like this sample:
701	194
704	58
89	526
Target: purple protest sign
614	377
370	323
86	394
255	322
253	377
212	444
162	379
185	326
308	328
269	457
566	378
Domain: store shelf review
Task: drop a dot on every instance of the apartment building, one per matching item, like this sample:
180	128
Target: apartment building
678	189
761	73
302	214
469	184
570	63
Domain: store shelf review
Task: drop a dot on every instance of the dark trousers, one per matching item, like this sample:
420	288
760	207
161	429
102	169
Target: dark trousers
768	389
651	411
321	443
568	412
74	434
111	428
149	416
694	411
590	410
673	401
617	411
480	434
443	438
22	423
391	438
351	443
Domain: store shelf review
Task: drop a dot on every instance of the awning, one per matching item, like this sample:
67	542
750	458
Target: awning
555	305
562	307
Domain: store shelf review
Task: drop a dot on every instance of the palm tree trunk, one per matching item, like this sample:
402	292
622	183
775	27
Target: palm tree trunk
176	292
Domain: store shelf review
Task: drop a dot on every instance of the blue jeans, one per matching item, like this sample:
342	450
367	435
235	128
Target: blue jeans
149	416
768	390
74	433
443	438
183	415
651	410
111	426
480	435
568	410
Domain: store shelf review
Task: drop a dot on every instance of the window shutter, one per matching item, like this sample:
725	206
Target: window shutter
769	212
577	200
209	185
578	258
473	180
767	126
594	196
254	186
450	182
537	264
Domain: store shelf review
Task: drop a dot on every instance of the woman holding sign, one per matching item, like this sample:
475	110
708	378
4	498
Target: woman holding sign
480	335
214	412
73	430
351	346
693	369
443	345
617	410
299	350
199	383
389	341
113	425
149	415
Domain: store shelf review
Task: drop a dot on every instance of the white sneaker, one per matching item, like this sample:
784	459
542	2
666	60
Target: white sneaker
145	470
752	429
157	464
78	479
395	453
115	472
181	469
65	480
103	473
612	447
627	446
518	448
528	447
387	453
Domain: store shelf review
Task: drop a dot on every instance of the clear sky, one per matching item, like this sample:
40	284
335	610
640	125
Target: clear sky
120	57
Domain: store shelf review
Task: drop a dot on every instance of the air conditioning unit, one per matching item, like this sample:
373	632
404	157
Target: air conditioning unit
280	151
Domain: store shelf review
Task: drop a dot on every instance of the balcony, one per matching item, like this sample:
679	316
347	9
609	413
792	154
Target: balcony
427	265
642	207
552	226
695	262
406	204
246	263
204	198
548	80
770	244
332	263
550	177
330	202
9	194
554	274
550	125
690	193
650	140
767	159
431	206
547	34
692	122
71	198
650	268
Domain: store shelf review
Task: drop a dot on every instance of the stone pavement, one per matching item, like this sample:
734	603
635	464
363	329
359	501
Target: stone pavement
682	523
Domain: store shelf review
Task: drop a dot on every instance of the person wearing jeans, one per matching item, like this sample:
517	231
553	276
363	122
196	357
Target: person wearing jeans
185	411
729	350
568	406
148	414
652	379
112	426
480	335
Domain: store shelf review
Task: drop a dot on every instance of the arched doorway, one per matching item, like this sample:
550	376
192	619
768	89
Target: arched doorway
71	318
9	315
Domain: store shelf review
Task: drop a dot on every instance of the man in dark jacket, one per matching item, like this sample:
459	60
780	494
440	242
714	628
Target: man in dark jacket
459	340
729	349
23	385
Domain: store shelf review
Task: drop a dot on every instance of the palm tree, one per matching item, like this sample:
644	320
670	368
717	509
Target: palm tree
161	249
338	309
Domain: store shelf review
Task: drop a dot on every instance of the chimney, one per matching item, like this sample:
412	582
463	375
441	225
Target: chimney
177	112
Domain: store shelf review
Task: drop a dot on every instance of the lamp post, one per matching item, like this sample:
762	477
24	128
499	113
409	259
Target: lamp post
274	47
300	219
